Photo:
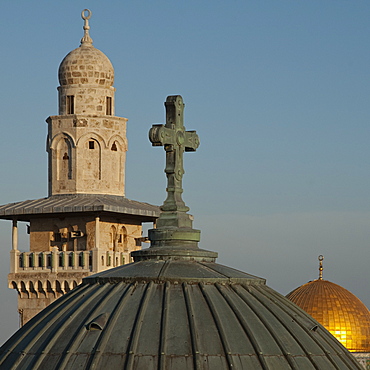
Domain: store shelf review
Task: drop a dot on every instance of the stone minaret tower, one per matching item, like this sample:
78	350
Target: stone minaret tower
85	225
86	141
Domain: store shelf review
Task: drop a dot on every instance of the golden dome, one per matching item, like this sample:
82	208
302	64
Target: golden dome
338	310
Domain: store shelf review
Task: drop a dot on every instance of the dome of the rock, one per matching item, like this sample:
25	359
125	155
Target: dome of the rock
338	310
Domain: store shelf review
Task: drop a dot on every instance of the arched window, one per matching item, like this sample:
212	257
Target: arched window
66	286
113	236
64	159
116	162
122	237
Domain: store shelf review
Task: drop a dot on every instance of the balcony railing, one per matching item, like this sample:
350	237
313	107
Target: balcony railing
55	260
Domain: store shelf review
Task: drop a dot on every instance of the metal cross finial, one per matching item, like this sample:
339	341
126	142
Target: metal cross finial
175	140
321	268
174	236
86	39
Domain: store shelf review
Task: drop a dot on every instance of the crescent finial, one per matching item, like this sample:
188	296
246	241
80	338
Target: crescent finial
86	39
321	268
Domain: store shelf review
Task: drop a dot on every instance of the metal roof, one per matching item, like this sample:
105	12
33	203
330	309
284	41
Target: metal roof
174	314
77	203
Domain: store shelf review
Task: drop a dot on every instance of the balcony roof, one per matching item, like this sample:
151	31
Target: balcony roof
77	204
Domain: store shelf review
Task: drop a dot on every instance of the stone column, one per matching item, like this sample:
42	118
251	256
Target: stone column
54	259
14	261
95	252
97	232
15	235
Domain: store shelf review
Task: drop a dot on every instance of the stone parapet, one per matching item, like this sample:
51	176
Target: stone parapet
42	277
65	261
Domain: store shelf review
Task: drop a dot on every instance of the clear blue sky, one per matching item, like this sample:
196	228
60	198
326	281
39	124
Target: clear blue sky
278	92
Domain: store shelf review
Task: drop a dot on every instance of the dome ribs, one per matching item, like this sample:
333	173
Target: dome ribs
75	341
38	328
49	352
52	352
164	325
218	312
190	314
315	352
178	351
239	308
136	329
102	342
30	326
289	351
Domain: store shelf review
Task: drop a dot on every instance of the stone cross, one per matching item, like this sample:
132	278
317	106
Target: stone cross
175	140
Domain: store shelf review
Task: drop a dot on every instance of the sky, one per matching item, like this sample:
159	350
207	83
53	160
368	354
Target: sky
277	91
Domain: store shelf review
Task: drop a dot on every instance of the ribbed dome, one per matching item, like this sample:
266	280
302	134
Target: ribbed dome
174	314
342	313
174	308
86	65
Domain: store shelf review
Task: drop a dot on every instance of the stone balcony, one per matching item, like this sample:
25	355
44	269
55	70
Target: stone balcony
51	274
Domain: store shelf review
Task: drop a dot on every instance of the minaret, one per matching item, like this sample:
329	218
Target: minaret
86	224
86	142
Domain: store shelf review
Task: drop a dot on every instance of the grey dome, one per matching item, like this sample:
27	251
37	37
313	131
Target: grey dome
174	314
174	307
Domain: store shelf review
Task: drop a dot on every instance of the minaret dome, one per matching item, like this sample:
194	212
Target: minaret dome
86	77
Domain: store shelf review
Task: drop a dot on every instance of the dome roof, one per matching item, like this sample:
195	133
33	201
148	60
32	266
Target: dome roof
174	314
174	307
338	310
86	65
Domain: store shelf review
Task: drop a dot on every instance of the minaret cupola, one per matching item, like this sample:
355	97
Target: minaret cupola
86	78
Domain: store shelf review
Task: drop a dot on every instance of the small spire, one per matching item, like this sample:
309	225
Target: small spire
86	40
321	258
